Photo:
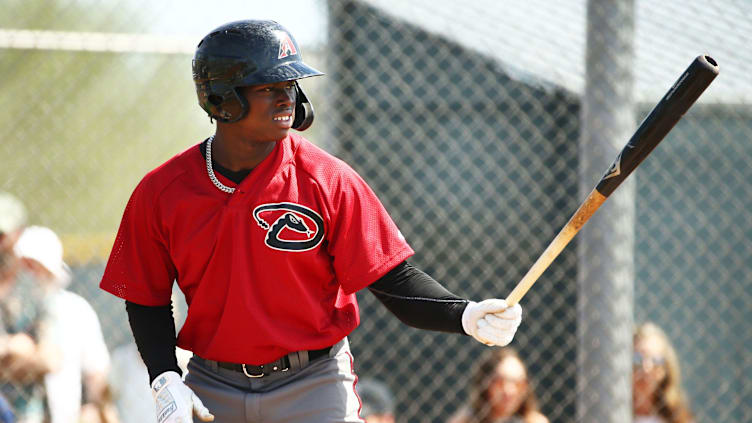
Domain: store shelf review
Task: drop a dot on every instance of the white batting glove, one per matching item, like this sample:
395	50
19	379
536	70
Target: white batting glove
176	402
492	322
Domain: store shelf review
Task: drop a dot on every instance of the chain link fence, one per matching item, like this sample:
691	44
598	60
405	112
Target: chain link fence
467	122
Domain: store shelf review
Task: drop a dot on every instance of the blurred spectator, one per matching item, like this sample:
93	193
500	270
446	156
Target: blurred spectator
23	360
6	414
657	395
72	328
130	386
130	383
500	392
377	401
129	377
12	221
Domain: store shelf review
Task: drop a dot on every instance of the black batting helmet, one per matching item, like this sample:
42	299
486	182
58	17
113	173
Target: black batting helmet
243	53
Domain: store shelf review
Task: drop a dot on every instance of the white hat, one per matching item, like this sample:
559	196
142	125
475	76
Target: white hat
43	246
12	213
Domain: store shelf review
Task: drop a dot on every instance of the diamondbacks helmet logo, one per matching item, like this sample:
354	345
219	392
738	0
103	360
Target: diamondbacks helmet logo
286	46
290	226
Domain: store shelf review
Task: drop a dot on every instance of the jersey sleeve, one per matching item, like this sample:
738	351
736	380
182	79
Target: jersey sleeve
363	240
140	269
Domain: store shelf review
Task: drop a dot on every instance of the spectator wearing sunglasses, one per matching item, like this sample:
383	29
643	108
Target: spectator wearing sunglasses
657	395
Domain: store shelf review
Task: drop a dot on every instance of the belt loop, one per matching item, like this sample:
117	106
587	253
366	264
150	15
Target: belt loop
294	361
298	359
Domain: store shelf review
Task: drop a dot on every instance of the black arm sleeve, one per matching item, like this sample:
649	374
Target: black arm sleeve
154	331
418	300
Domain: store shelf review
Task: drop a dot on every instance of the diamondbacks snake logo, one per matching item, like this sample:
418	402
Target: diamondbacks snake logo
290	226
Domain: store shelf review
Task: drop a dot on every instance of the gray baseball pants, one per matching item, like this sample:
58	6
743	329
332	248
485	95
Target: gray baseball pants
322	391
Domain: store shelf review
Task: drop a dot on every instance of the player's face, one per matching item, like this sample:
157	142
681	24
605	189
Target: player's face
271	110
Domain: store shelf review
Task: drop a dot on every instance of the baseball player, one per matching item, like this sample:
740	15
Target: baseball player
269	238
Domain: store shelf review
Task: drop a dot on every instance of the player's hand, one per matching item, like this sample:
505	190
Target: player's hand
492	322
176	402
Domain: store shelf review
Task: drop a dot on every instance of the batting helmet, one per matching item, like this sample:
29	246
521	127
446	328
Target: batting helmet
244	53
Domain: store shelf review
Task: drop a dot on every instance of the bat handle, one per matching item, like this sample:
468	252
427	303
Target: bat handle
540	265
517	293
580	217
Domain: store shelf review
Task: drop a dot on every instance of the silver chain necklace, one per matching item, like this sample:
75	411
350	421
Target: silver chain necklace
210	169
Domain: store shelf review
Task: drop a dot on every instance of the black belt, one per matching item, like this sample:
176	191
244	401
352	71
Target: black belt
280	365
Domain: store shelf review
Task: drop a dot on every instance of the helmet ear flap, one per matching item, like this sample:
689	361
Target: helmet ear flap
303	110
231	107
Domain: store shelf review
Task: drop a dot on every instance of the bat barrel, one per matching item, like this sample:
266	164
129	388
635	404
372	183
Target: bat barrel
679	98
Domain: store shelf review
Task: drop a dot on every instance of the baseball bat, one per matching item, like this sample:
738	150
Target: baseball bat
679	98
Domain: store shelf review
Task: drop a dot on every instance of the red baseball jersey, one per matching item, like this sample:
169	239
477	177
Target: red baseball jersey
270	269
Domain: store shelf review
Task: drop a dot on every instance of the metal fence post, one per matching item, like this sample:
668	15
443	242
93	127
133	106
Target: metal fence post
606	248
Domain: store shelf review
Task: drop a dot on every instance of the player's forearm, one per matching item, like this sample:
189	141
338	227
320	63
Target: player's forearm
154	332
418	300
